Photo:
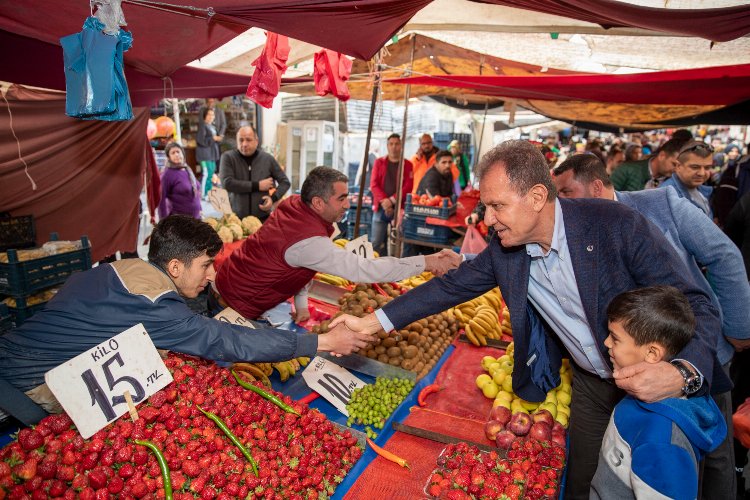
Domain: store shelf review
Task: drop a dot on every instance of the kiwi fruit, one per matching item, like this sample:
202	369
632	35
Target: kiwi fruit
393	352
410	352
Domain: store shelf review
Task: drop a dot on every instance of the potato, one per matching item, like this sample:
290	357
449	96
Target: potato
395	361
380	349
383	358
393	352
389	341
407	364
410	352
413	338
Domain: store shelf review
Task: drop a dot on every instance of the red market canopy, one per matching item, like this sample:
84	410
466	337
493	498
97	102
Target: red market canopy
722	85
166	37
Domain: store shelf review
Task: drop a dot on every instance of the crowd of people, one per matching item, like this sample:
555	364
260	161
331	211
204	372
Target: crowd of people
628	258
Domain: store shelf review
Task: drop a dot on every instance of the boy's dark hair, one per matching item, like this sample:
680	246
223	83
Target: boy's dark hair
319	182
393	136
659	314
586	169
442	153
183	238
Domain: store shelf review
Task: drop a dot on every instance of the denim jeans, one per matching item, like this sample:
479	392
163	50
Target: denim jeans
380	223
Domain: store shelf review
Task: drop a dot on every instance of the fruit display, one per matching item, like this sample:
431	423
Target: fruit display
414	281
372	404
200	424
230	228
37	298
463	472
480	318
432	201
49	248
416	347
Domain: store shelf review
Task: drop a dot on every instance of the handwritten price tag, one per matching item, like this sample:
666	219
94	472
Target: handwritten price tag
331	381
90	387
360	247
219	199
231	316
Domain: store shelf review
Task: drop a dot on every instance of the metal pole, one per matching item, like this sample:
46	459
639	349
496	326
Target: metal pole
481	134
400	180
366	163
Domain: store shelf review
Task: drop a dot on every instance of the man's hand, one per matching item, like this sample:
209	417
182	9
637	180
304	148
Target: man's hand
267	204
368	324
217	138
650	382
265	184
301	315
386	203
739	344
472	219
389	212
442	262
340	340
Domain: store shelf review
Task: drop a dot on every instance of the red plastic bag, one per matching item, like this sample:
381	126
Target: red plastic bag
269	67
741	422
473	241
331	71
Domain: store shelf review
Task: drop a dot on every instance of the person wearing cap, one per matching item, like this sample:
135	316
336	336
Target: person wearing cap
695	162
461	162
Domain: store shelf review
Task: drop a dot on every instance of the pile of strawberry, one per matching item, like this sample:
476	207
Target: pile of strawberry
463	472
298	456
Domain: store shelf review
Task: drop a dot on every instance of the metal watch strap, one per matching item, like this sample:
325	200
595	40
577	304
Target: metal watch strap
687	376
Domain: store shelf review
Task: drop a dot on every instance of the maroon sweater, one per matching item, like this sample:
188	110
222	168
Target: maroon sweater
256	277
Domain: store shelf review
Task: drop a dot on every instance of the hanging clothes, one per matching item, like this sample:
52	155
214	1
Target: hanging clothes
269	67
331	71
95	83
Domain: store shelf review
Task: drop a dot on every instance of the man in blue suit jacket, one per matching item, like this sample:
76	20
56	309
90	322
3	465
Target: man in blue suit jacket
568	259
695	164
698	242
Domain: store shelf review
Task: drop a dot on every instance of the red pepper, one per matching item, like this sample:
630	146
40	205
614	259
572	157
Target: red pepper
426	392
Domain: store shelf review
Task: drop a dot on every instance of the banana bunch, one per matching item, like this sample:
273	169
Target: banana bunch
255	371
341	242
332	280
290	368
480	317
417	280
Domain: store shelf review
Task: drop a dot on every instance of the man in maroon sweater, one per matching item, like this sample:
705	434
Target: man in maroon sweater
279	260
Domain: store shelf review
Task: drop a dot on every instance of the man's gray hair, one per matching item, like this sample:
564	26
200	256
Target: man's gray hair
524	165
319	182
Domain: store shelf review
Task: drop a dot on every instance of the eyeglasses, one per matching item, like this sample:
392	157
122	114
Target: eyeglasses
425	143
695	146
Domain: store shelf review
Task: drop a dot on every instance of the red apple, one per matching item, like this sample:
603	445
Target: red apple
557	427
491	428
519	424
544	416
558	439
501	414
504	439
540	431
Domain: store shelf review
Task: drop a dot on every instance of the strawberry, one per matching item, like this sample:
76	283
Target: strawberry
33	484
107	456
513	491
87	494
124	454
4	468
191	468
79	482
115	485
434	490
65	473
140	455
30	439
98	478
59	423
149	414
139	489
157	400
90	460
68	458
47	469
126	471
57	489
197	485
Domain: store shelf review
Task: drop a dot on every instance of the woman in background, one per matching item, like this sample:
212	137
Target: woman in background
180	191
207	149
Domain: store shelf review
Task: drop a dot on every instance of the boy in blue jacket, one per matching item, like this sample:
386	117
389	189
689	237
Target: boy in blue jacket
652	450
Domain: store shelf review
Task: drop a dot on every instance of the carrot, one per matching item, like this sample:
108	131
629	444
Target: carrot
421	399
387	454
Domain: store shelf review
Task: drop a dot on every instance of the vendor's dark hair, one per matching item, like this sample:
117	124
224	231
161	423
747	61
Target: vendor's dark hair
393	136
442	153
659	314
586	169
319	182
183	238
524	165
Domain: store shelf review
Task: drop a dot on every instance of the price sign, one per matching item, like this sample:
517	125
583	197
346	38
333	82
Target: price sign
231	316
91	386
331	381
219	199
360	247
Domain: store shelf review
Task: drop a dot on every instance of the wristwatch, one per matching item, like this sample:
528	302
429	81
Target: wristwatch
692	380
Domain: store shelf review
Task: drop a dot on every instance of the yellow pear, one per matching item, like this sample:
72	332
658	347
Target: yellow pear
517	407
551	398
563	409
490	390
509	349
493	367
550	407
506	367
499	376
563	419
486	362
564	387
483	379
563	397
508	383
505	395
505	358
529	405
500	401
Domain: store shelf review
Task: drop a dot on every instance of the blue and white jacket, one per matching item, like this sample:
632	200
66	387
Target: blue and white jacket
652	450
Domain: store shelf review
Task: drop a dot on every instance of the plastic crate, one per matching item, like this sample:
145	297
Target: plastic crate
22	311
17	232
416	228
443	212
363	229
6	321
20	279
365	215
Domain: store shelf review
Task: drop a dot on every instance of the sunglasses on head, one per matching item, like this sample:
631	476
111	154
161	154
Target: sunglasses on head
696	146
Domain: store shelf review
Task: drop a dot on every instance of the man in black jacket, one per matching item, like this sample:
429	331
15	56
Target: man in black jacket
438	180
249	173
